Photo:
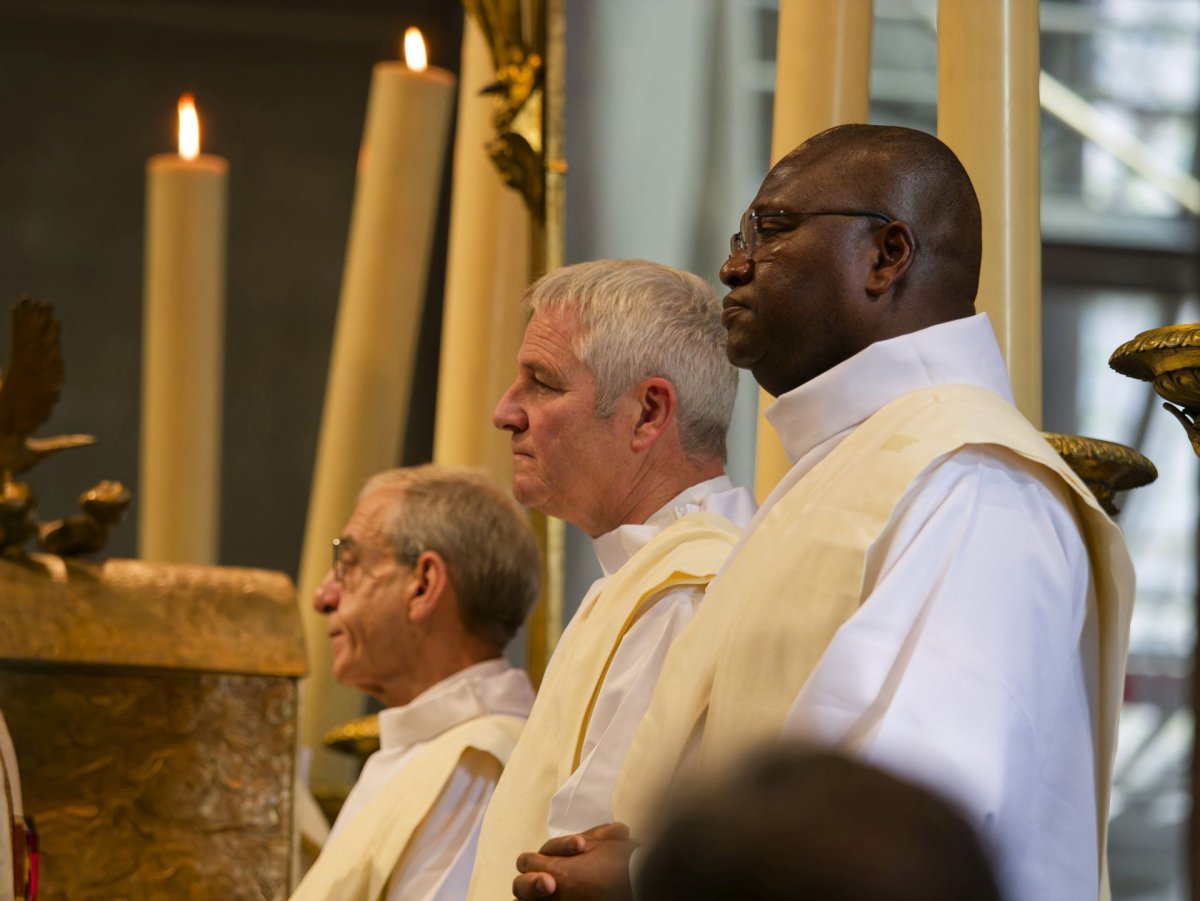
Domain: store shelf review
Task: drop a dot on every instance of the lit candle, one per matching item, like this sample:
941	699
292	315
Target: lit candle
370	371
182	350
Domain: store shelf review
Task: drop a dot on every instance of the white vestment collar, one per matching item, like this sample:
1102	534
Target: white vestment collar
614	549
963	351
491	687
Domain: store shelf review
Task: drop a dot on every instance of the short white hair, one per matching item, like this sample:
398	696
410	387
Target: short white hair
478	529
638	320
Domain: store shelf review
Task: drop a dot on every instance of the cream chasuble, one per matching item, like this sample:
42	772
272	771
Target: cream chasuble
738	667
358	863
688	552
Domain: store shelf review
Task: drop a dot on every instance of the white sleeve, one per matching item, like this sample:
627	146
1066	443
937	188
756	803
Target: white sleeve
436	865
585	799
969	666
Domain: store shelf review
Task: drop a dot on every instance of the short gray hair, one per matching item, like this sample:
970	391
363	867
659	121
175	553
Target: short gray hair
478	529
638	320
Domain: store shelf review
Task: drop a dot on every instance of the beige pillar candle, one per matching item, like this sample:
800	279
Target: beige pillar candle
370	370
184	307
822	79
487	270
988	113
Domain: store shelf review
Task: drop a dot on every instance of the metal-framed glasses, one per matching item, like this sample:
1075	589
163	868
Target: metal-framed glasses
347	556
745	239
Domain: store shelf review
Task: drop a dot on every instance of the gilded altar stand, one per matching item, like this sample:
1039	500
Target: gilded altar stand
153	710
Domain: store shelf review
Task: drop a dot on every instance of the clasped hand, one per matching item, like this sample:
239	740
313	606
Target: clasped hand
585	866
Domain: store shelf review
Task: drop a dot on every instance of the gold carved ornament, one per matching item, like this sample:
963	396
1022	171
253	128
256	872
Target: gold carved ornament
32	385
359	737
518	55
1168	358
1104	466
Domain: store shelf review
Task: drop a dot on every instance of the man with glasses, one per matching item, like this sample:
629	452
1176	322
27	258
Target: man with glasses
432	576
929	586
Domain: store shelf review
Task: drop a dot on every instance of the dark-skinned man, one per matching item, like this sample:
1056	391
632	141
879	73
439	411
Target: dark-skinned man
618	417
929	587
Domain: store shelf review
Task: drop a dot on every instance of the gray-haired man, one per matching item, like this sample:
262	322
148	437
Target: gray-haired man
618	417
433	573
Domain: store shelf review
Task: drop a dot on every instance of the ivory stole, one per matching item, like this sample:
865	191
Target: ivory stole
358	863
734	672
687	552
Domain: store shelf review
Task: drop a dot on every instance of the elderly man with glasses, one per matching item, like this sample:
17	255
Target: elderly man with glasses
432	576
929	586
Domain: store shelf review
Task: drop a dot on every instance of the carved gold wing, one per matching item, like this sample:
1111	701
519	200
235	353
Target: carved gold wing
34	375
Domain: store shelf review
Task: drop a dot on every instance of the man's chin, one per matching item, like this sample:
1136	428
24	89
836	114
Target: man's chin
527	492
739	355
340	675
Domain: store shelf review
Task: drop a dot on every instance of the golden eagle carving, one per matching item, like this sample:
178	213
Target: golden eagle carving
32	384
514	31
33	379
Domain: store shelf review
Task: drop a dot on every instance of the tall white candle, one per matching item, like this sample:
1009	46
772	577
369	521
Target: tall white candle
487	269
370	372
183	328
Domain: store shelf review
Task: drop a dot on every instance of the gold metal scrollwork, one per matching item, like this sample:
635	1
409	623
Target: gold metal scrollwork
359	737
515	34
1168	358
29	391
1104	466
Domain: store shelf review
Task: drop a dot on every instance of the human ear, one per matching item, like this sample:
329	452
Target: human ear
657	402
893	255
427	585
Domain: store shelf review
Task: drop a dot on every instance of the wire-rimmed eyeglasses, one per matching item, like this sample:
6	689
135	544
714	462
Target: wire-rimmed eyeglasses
745	239
347	555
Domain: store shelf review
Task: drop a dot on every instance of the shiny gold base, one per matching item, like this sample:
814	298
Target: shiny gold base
1106	467
359	737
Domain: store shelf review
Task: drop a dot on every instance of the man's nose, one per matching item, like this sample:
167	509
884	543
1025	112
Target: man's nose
738	269
328	594
508	413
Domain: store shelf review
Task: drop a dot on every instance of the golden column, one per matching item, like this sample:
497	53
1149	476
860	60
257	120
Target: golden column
822	79
989	114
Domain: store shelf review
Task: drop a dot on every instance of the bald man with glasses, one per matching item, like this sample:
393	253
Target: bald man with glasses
929	587
432	575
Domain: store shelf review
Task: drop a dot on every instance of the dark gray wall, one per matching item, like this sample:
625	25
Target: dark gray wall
87	94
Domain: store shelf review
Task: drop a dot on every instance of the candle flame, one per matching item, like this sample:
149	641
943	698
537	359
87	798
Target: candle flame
189	128
414	50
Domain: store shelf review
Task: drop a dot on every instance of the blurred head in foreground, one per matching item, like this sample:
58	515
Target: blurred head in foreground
797	824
